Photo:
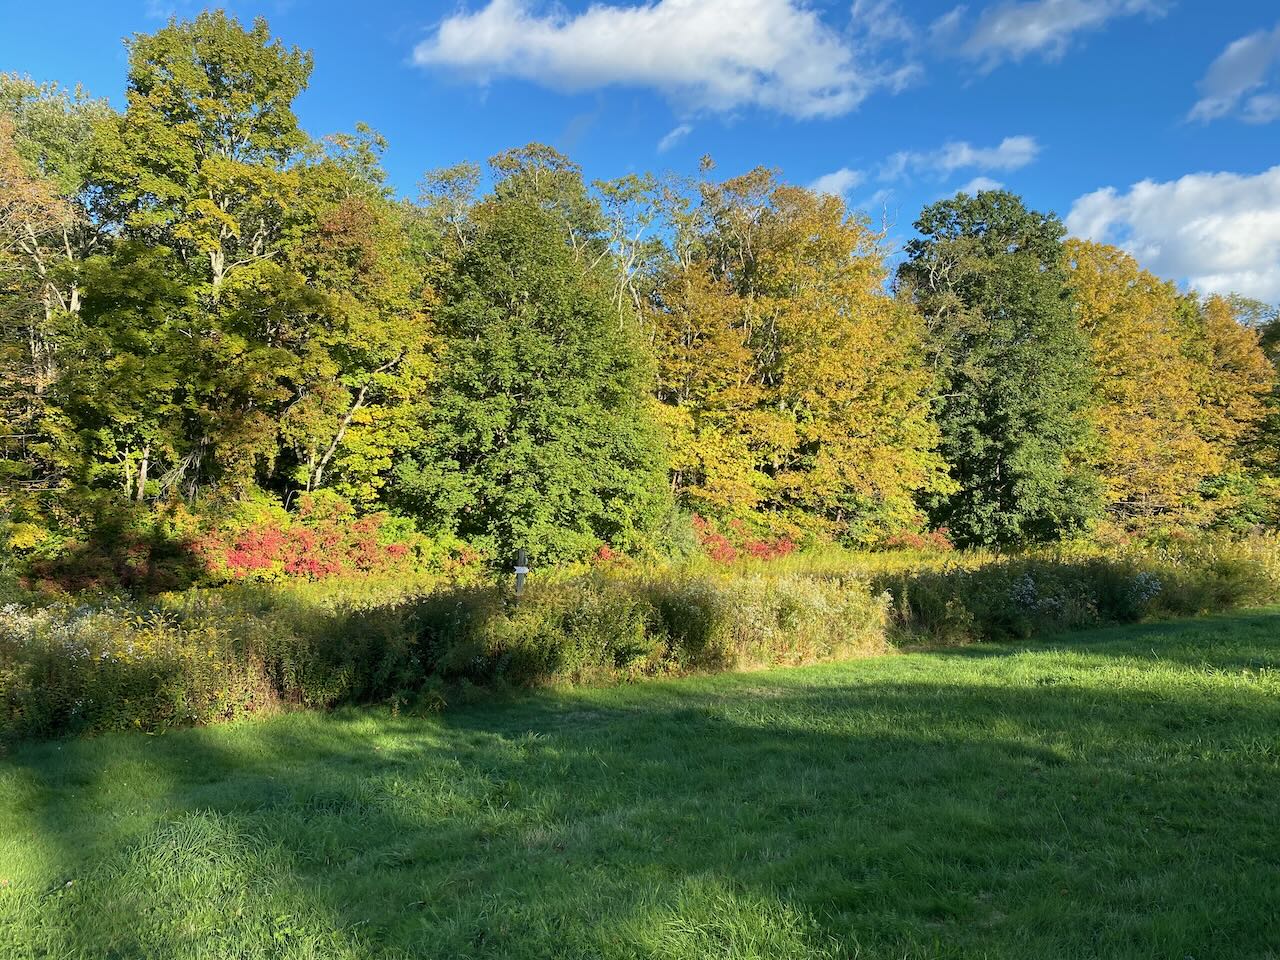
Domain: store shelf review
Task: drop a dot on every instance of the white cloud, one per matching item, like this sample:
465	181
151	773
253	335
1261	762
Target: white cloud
1014	30
1236	80
945	31
979	184
880	18
706	54
1219	232
838	183
1012	153
1262	108
877	199
674	137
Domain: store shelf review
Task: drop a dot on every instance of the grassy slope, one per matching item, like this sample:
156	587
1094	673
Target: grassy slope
1111	794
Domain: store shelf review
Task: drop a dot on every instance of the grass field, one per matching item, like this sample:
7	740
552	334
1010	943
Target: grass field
1107	794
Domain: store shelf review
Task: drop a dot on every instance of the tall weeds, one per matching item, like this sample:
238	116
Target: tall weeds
210	655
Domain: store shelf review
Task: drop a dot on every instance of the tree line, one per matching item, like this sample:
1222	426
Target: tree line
201	303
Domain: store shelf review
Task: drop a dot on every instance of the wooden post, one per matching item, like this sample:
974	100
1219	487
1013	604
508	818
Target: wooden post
522	570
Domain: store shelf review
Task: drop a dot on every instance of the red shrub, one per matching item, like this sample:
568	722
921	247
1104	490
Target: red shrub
727	548
770	549
315	544
929	541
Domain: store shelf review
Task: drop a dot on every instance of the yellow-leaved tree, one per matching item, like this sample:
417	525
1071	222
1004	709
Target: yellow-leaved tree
1153	451
1177	386
1235	374
796	384
1236	382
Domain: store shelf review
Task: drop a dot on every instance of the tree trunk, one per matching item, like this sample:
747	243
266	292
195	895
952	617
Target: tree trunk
217	268
142	473
317	475
127	468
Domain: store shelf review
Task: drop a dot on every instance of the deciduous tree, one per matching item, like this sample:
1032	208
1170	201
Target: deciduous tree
1153	451
540	431
798	381
1013	368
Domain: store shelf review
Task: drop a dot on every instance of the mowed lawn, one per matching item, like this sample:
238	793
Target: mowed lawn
1107	794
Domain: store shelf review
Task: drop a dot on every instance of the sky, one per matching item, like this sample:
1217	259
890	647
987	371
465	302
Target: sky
1153	124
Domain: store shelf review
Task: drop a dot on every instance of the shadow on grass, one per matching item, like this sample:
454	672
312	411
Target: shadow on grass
923	806
1255	641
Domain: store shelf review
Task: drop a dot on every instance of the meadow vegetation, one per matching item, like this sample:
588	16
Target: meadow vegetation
1108	793
207	655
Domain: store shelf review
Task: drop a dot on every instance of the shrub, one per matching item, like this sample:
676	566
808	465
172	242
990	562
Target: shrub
83	669
1217	574
323	539
602	627
110	547
211	655
920	541
760	620
1017	597
735	539
203	656
121	547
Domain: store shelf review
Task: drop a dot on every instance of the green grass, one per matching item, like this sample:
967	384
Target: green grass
1108	794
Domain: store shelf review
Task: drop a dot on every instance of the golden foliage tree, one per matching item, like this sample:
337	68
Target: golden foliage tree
1236	375
1153	452
796	384
1177	386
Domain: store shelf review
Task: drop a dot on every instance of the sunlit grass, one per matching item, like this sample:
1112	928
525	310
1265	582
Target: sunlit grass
1113	793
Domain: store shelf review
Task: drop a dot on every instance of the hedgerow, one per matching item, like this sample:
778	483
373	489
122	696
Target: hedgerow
205	656
215	655
960	601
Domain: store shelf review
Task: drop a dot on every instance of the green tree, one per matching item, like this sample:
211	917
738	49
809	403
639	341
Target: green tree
1013	368
205	162
46	138
129	372
283	337
540	431
204	156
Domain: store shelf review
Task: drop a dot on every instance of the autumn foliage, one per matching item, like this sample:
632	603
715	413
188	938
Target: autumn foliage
733	541
1175	387
313	544
206	314
792	385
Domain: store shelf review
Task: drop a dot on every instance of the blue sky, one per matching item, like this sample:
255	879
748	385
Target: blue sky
1151	123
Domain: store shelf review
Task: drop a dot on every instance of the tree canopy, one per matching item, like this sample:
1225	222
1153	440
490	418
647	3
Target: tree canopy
203	305
1012	367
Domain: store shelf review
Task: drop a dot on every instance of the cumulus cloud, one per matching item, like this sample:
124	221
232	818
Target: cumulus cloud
838	183
674	137
1014	30
1236	82
1012	153
1219	232
706	54
979	184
